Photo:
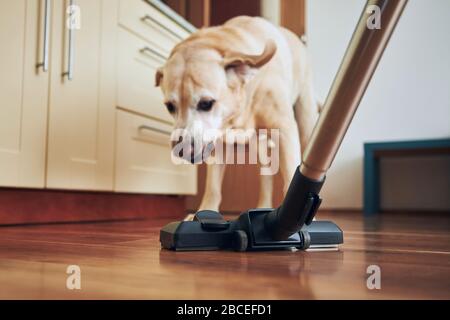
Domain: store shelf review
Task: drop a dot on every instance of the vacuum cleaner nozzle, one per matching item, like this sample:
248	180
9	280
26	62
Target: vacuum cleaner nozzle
289	226
247	233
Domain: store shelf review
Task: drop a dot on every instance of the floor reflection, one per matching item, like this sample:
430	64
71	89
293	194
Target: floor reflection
280	271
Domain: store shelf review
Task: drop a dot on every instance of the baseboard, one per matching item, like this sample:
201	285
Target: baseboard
30	206
340	210
388	211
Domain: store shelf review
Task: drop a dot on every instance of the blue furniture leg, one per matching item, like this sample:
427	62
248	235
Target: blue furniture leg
371	181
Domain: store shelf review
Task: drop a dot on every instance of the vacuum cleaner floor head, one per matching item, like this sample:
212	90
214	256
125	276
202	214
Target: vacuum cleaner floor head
210	231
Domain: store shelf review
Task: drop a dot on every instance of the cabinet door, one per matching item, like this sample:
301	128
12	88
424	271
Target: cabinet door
143	158
136	69
81	121
23	94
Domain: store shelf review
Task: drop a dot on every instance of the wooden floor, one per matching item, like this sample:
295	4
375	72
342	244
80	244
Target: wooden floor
123	260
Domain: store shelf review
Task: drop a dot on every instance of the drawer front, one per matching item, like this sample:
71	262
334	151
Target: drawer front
143	158
137	65
150	24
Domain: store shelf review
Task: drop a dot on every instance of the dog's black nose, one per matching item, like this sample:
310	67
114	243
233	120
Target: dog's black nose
175	142
187	150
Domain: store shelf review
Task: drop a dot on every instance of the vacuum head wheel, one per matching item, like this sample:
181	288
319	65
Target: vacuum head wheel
240	240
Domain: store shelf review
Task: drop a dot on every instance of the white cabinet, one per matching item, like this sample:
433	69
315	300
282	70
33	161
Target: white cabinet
81	109
59	131
151	25
143	160
23	94
137	65
145	39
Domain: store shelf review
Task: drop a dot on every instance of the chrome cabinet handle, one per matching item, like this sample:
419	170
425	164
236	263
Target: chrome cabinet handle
153	52
70	58
146	127
150	18
44	63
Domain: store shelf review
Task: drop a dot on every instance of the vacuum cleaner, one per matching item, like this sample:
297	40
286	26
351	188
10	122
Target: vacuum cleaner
291	225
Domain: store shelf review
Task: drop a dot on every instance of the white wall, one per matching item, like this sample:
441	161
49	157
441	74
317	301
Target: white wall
408	97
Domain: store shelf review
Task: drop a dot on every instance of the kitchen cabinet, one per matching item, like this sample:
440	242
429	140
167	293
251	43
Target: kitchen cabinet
82	97
79	110
23	93
143	155
143	158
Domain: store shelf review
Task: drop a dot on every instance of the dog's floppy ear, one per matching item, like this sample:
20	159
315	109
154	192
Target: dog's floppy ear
158	77
244	64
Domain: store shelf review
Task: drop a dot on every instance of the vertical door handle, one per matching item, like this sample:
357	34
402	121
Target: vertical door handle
44	63
70	57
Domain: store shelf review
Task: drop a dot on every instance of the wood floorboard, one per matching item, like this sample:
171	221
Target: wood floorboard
123	260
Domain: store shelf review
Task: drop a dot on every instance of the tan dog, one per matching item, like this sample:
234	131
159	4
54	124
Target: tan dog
246	74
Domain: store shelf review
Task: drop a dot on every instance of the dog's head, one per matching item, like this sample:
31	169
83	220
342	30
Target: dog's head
204	88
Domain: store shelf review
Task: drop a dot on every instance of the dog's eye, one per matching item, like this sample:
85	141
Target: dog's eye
205	105
170	107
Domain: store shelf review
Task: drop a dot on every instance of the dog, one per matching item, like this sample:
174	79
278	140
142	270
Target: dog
244	74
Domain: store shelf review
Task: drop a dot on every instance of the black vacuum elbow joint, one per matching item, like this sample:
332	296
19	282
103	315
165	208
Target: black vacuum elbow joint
298	208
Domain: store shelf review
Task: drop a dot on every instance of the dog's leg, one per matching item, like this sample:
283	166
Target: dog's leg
289	151
306	114
265	191
265	181
213	187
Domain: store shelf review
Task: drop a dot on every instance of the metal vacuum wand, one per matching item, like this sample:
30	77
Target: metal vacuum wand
360	61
